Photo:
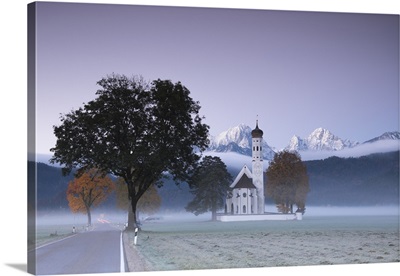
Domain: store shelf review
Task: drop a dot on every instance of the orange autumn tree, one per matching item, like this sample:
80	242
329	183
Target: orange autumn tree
87	191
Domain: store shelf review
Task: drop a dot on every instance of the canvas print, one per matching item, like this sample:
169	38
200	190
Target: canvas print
177	138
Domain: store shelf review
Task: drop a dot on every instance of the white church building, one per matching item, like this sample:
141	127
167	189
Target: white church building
245	199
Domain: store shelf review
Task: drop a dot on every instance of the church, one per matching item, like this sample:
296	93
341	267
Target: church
245	199
246	194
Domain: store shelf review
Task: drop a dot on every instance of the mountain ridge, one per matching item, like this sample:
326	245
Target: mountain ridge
238	139
320	139
389	135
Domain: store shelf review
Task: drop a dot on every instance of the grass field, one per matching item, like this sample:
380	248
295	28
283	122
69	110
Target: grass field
173	244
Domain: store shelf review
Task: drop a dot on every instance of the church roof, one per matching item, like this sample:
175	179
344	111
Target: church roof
245	182
242	178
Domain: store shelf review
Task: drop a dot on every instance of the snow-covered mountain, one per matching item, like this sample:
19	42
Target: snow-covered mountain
235	144
234	139
238	139
320	139
392	135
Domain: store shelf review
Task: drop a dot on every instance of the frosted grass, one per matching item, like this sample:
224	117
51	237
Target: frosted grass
177	244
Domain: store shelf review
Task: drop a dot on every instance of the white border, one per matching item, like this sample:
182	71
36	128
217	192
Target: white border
13	126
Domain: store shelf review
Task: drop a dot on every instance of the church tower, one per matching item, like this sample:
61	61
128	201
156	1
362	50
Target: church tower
258	167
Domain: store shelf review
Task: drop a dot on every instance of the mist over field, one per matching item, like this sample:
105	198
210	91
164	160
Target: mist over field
311	211
173	240
66	217
318	211
120	217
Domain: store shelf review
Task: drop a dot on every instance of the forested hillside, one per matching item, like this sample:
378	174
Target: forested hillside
367	180
51	187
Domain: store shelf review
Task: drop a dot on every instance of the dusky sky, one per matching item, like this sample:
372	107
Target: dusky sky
296	71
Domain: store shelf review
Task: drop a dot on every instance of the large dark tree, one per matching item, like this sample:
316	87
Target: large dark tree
135	130
209	183
287	181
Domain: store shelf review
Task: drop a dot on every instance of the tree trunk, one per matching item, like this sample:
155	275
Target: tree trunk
89	217
213	215
132	218
214	211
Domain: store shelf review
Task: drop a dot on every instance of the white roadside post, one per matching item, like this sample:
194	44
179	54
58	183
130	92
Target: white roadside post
135	239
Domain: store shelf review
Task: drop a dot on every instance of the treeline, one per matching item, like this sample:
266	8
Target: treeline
367	180
51	186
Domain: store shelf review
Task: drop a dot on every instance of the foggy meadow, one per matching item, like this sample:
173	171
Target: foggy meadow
338	226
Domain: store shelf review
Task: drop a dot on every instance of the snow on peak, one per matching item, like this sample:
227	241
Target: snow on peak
237	139
320	139
390	135
296	143
238	134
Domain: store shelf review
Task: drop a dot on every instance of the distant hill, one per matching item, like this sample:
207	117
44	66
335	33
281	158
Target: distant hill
368	180
51	186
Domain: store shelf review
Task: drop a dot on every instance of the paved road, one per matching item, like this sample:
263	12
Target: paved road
96	251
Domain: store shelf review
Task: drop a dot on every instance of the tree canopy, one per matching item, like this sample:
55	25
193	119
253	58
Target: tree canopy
210	183
87	191
287	181
135	130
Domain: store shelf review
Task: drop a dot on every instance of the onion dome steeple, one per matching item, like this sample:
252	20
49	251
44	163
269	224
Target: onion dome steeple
257	133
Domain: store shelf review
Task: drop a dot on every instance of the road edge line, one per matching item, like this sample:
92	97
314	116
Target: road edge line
52	242
122	257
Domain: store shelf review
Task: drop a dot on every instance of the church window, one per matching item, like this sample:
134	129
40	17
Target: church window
244	194
244	209
237	209
257	148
